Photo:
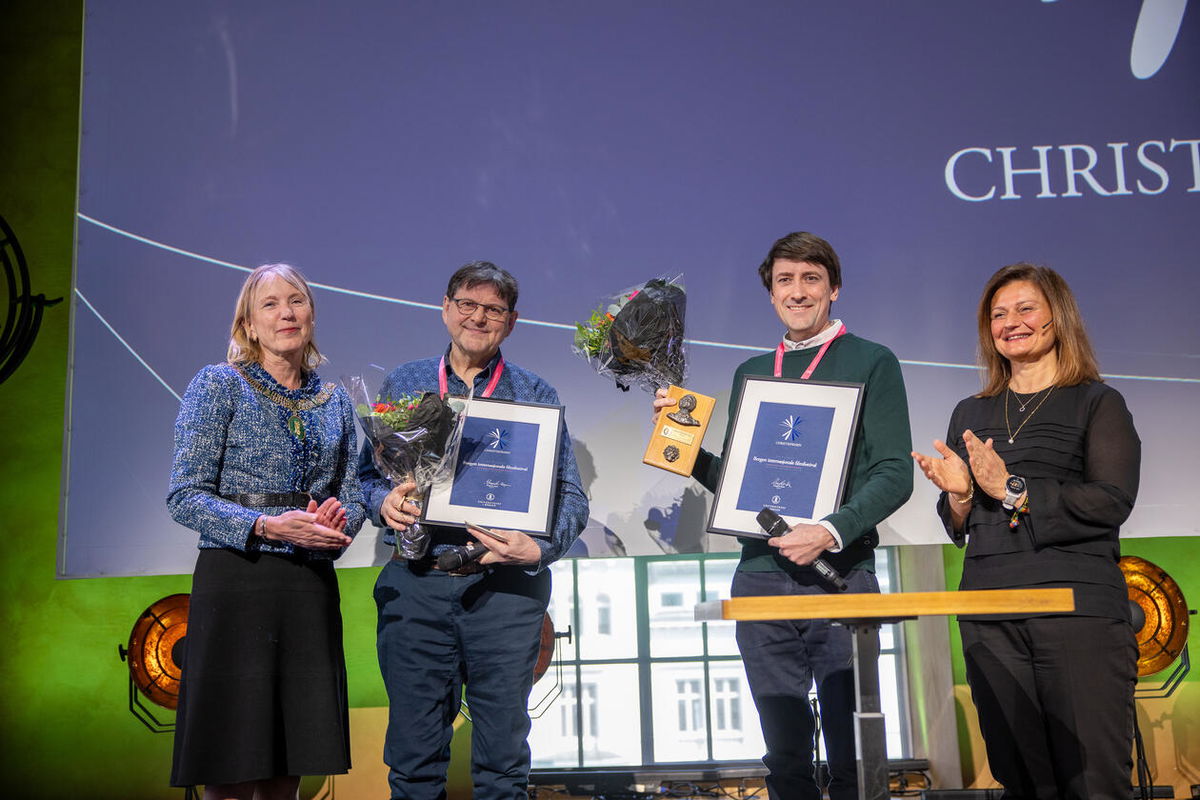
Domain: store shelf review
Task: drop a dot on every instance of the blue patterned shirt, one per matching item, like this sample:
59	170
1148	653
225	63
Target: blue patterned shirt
231	439
570	502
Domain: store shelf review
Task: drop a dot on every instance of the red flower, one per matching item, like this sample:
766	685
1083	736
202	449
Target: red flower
383	408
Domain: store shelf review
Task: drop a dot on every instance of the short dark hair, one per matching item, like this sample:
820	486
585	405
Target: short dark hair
803	246
471	275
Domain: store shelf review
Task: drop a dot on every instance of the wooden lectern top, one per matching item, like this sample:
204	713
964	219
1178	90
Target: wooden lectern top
857	612
901	605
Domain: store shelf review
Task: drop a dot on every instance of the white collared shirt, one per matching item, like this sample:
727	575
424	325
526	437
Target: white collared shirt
816	341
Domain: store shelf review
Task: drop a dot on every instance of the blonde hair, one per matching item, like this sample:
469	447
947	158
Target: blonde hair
1076	360
243	350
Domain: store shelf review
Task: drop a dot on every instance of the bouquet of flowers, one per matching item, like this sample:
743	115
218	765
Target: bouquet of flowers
413	438
637	338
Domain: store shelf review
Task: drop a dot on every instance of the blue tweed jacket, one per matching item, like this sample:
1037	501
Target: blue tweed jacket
230	439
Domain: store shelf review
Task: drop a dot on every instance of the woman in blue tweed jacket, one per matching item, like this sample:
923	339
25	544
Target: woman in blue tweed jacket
265	472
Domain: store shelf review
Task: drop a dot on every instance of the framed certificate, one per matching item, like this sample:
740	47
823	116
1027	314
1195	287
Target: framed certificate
505	469
789	451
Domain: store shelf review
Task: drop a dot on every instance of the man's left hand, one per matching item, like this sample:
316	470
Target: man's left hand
517	548
803	544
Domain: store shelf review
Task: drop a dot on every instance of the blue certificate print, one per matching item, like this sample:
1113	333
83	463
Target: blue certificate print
495	464
787	455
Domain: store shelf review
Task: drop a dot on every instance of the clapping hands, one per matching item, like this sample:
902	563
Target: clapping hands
318	527
950	473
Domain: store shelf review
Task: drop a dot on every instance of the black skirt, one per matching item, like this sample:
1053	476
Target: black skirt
263	690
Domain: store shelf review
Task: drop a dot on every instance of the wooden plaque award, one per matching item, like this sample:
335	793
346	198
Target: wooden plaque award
678	433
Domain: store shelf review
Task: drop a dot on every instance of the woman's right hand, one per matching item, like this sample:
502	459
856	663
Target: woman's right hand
661	401
949	473
302	529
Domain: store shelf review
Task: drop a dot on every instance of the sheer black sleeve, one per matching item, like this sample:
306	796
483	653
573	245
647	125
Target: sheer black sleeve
1062	511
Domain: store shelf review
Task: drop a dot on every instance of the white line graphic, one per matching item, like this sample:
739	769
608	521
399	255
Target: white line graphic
522	320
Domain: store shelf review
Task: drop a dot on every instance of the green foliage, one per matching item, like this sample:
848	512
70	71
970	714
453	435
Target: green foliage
590	336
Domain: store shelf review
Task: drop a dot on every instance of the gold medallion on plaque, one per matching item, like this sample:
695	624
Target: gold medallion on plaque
678	431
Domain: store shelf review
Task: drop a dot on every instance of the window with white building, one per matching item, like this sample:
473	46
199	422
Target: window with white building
641	682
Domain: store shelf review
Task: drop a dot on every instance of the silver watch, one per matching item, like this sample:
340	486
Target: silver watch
1014	487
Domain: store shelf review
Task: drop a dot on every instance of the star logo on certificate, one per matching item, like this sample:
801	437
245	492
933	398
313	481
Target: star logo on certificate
497	439
791	428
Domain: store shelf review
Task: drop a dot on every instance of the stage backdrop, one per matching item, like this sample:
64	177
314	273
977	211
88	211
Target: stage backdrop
378	145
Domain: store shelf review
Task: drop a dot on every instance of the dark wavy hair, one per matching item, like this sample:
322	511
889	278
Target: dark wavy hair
802	246
471	275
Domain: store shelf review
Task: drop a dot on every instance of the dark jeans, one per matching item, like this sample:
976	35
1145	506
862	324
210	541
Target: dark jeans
1055	703
783	658
437	632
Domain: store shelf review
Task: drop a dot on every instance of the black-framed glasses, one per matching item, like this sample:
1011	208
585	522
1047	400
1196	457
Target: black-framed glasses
468	307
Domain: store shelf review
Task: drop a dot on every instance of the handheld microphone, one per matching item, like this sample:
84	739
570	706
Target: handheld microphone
458	557
776	525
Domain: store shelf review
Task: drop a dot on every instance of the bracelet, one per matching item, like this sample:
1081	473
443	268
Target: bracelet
1018	511
260	528
967	499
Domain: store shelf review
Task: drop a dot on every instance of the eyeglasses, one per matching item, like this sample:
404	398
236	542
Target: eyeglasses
468	307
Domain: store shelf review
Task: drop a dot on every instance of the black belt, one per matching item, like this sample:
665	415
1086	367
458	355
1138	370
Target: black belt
272	499
422	565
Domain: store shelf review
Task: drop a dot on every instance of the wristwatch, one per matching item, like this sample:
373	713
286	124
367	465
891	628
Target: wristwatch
1014	487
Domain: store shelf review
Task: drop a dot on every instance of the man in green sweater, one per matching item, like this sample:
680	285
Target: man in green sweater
783	658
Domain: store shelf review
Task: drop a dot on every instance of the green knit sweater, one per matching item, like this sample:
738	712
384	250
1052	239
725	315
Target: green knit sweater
881	471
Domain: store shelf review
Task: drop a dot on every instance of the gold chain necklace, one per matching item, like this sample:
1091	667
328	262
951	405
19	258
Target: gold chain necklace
295	424
1021	404
1011	433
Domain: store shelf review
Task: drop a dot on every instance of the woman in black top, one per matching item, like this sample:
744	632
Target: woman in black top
1037	474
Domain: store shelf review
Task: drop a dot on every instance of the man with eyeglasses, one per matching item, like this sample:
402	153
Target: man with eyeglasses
479	624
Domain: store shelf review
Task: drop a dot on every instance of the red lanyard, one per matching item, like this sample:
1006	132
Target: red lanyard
444	386
779	351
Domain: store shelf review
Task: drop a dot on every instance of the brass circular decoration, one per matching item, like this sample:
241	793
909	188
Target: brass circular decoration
1162	637
155	649
545	649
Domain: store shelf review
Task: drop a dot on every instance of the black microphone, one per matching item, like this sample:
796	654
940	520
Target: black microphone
458	557
776	525
1048	324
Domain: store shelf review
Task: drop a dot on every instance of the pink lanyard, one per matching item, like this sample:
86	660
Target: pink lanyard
444	386
779	351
